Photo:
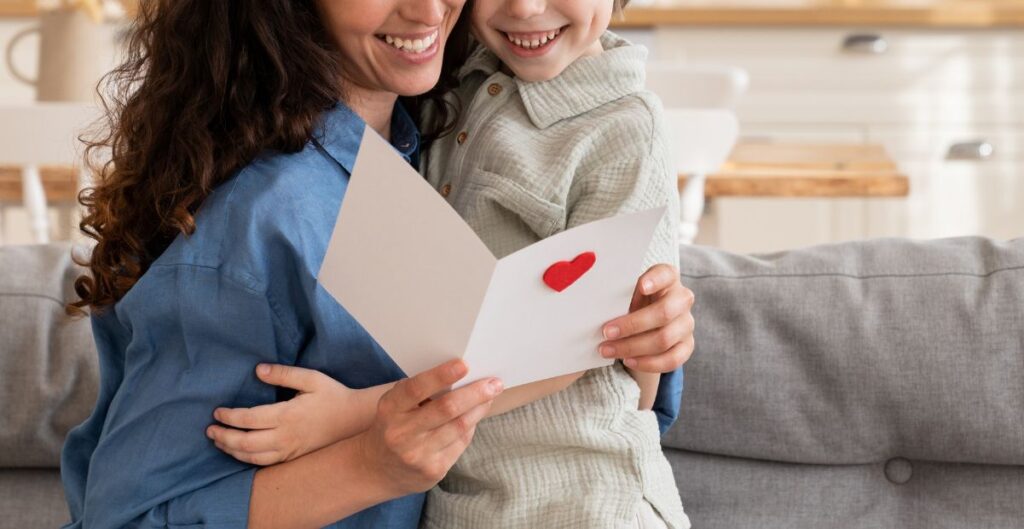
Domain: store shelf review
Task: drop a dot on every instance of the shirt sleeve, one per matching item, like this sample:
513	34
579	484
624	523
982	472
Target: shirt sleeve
195	337
632	173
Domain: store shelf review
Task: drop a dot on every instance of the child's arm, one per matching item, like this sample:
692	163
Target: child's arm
628	170
648	383
513	398
323	412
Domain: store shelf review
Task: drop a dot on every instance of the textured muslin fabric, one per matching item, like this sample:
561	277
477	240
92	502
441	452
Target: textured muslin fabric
581	458
647	518
883	379
529	160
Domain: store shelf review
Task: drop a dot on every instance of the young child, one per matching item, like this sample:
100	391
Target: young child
556	130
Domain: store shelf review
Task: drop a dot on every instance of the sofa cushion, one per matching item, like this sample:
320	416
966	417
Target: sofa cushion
738	493
32	499
867	384
48	363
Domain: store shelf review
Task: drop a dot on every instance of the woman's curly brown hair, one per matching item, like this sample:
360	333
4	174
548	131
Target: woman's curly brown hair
204	87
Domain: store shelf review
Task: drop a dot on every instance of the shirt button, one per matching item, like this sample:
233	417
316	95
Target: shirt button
461	138
446	190
494	89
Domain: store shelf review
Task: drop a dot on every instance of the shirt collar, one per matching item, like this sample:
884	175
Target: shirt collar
341	133
584	85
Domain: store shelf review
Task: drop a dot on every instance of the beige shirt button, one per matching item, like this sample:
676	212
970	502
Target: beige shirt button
461	138
494	89
446	190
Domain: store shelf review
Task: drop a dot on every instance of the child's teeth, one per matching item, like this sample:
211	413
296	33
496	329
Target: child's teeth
535	43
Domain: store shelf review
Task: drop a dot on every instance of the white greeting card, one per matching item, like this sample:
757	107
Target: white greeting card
420	281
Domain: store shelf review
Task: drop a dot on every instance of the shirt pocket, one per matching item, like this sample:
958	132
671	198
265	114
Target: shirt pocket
489	193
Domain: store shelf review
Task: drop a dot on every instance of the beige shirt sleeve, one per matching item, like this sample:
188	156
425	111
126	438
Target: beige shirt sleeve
631	174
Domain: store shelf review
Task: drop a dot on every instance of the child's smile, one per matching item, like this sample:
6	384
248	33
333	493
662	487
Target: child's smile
538	39
533	44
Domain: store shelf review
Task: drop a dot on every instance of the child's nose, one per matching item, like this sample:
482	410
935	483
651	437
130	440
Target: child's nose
525	8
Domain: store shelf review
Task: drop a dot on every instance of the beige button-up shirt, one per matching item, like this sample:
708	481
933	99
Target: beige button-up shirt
530	159
527	160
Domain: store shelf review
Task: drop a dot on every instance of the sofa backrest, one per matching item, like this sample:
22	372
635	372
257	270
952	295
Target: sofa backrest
48	363
855	385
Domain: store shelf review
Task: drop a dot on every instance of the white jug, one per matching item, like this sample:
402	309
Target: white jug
74	54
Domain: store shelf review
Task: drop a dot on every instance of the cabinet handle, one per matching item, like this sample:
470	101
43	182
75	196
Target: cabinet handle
865	43
971	150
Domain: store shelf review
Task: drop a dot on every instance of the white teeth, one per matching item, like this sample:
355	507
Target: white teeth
411	45
535	43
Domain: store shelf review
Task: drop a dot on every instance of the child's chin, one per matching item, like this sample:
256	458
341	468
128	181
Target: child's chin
534	75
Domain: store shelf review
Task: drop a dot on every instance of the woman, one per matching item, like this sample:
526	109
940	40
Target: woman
230	155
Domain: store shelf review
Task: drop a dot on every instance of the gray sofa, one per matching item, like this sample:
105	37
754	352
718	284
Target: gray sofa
875	384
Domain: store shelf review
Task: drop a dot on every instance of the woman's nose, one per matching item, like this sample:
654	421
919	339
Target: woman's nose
428	12
525	8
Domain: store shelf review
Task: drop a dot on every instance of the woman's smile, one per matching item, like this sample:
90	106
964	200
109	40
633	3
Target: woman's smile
417	48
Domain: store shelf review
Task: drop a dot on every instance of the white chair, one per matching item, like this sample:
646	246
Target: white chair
701	126
686	85
36	134
703	139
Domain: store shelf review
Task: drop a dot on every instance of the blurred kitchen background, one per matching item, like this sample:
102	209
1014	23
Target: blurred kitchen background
793	122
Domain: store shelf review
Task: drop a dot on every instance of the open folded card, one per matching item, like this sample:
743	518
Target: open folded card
417	277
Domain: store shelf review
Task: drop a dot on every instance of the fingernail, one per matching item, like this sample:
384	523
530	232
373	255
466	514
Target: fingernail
209	432
495	386
607	351
611	332
630	362
648	285
216	414
263	369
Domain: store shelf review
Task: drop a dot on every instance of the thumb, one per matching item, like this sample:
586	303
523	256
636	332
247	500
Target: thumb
298	378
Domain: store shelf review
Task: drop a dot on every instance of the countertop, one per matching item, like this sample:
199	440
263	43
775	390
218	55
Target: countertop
913	13
806	170
752	170
920	13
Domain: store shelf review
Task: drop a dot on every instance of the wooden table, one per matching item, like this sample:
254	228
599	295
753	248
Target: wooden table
806	170
753	170
916	13
59	184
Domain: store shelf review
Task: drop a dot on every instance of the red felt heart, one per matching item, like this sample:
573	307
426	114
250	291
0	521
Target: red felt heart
564	273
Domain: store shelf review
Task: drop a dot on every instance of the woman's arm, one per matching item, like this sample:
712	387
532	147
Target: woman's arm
409	447
147	463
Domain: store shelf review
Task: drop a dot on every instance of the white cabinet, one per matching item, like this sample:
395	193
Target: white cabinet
915	91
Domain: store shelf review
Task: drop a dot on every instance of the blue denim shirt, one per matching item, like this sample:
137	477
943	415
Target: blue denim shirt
187	337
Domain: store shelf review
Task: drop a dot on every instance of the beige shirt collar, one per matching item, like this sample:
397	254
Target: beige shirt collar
584	85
